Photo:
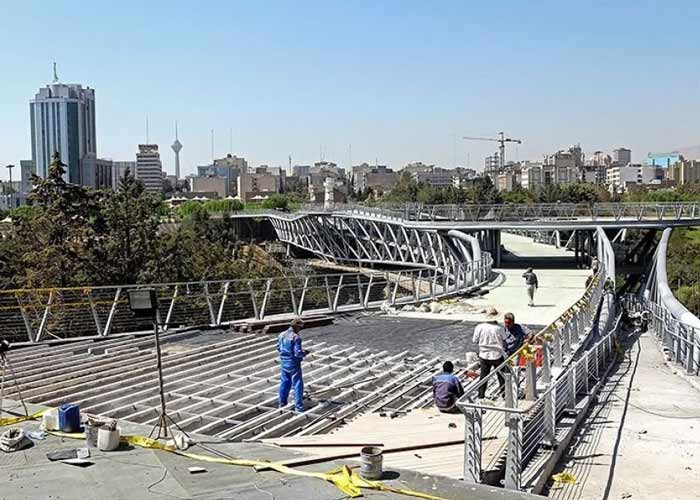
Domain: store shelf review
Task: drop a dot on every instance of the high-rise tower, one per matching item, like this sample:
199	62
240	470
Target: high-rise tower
63	119
177	147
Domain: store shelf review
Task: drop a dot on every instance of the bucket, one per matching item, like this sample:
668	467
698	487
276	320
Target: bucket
91	435
107	440
371	462
69	418
50	419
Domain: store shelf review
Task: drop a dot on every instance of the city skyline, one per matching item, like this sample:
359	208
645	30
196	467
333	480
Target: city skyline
327	77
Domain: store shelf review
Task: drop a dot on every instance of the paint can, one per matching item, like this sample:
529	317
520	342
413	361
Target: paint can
90	435
107	440
371	462
50	419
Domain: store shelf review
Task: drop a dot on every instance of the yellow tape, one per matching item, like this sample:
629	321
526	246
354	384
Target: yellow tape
564	477
23	418
347	481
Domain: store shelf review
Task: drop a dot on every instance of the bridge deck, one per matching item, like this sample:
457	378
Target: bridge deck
642	438
559	288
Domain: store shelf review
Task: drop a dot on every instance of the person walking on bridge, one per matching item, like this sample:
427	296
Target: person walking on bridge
291	354
531	282
490	337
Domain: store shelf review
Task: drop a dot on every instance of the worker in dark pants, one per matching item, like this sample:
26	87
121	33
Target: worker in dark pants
447	389
291	354
490	337
531	282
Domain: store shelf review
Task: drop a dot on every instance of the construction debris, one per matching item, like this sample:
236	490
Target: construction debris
14	439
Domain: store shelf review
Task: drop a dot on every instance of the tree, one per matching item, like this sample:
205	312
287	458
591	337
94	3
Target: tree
276	201
57	237
129	222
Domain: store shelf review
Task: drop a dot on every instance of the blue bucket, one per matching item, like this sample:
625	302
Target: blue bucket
69	417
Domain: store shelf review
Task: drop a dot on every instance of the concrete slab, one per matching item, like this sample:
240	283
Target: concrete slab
136	473
641	439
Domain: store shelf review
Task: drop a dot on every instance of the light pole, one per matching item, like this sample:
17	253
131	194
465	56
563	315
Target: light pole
10	167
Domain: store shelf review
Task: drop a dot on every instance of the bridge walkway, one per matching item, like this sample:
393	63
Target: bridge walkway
560	286
641	439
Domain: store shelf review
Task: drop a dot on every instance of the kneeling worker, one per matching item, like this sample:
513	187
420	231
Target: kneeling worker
291	354
447	389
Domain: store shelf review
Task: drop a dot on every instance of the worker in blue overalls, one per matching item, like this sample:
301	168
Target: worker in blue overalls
291	354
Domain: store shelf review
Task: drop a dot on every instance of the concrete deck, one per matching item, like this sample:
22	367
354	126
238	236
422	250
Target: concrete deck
558	288
137	473
641	440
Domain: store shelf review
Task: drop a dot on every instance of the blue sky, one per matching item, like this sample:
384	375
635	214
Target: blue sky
396	80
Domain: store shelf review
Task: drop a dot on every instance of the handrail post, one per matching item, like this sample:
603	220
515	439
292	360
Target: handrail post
514	448
690	351
473	445
571	387
531	380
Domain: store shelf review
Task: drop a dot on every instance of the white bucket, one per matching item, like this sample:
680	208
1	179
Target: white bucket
107	440
50	419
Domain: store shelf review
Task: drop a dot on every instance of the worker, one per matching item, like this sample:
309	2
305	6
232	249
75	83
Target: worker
490	338
447	389
531	282
516	334
291	354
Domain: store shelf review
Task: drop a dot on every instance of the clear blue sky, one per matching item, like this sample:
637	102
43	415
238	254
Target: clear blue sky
396	80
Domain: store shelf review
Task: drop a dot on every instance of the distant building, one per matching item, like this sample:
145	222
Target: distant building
621	178
257	186
229	167
663	160
621	157
531	176
119	169
62	118
210	184
416	167
149	169
463	176
327	168
97	172
563	167
27	170
301	170
508	181
684	172
378	178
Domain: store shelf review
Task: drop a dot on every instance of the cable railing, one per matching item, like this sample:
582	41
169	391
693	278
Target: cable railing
58	313
509	431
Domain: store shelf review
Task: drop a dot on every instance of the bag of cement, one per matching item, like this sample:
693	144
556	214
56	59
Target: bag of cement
14	439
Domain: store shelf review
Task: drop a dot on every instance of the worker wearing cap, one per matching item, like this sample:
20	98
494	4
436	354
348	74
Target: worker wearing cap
291	354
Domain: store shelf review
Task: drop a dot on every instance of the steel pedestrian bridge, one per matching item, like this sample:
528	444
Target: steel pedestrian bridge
425	252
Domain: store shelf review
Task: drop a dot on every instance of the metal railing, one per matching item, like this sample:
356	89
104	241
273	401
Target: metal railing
537	387
39	314
680	341
522	212
675	326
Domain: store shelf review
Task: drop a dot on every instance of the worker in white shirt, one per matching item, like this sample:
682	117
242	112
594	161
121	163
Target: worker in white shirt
490	337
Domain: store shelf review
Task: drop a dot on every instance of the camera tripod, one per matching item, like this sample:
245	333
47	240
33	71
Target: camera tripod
6	366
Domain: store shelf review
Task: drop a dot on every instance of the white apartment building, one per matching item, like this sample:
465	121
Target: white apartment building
149	169
620	178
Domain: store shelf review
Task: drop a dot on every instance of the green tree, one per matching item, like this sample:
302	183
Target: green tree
56	237
129	233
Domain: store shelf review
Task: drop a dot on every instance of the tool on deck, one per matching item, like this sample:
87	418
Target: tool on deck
6	366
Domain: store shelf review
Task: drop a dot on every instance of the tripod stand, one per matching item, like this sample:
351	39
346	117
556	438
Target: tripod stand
163	419
5	367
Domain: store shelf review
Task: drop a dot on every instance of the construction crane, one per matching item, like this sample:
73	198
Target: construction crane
501	140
